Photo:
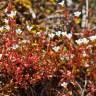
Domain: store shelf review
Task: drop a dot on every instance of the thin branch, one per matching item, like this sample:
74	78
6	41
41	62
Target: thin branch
87	13
87	8
83	90
79	85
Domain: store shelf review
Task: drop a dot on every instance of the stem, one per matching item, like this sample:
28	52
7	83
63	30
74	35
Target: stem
79	86
33	13
83	90
87	13
87	7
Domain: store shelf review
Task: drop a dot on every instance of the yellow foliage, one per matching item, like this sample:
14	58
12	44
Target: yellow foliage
77	21
25	3
53	1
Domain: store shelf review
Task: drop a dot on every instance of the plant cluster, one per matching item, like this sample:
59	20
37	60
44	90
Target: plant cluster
34	62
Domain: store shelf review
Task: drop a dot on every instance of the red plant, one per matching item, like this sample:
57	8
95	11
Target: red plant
39	58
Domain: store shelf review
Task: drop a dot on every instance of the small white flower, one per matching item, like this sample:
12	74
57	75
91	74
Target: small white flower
85	41
15	46
62	2
77	13
92	38
29	28
64	84
12	14
56	48
38	33
62	58
72	56
24	41
84	54
0	56
67	58
1	28
82	41
69	35
51	35
58	33
18	31
64	33
6	21
79	41
7	27
69	2
86	65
